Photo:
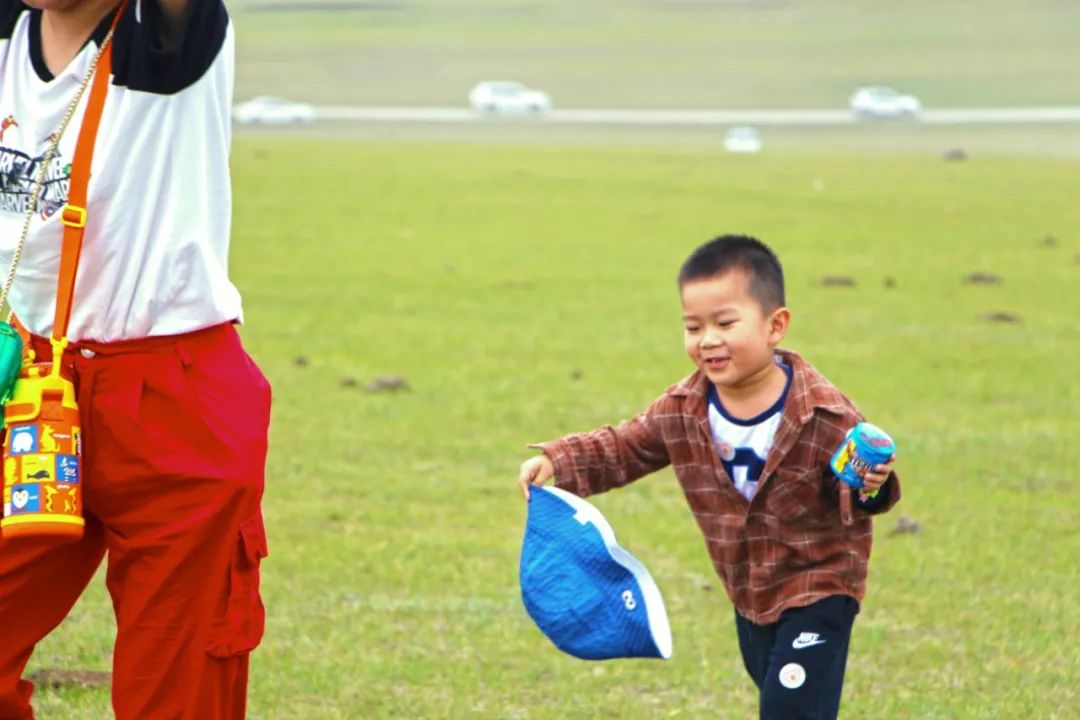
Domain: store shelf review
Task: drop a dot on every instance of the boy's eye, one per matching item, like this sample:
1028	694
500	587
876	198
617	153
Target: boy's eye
692	328
727	323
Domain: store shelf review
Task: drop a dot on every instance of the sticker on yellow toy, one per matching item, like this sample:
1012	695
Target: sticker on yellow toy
38	468
60	499
67	469
25	499
24	439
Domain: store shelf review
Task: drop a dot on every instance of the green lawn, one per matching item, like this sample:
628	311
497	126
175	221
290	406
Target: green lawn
663	53
526	292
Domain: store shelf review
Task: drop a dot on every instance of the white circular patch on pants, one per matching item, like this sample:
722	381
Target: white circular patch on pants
792	676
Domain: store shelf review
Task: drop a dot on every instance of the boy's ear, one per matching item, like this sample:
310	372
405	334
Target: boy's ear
779	322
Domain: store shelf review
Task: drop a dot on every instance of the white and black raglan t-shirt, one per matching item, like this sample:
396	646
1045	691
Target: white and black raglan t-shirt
744	443
155	253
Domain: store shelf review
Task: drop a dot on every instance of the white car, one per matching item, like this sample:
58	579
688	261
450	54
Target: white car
883	102
503	97
266	110
742	139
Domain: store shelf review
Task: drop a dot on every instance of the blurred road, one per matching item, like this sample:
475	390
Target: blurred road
943	116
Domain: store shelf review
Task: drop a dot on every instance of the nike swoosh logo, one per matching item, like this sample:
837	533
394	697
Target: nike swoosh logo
800	644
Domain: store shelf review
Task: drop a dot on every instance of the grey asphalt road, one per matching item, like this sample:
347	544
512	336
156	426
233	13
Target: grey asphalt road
941	116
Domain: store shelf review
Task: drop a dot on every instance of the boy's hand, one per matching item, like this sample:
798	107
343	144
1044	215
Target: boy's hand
875	478
535	471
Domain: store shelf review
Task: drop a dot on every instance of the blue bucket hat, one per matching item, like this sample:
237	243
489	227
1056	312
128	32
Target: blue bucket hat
592	598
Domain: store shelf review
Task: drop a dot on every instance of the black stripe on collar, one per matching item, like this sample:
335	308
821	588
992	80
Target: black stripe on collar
37	52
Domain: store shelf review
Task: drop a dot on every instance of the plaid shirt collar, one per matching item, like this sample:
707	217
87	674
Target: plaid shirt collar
809	391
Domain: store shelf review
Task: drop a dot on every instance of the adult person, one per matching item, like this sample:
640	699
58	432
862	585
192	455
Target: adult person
174	413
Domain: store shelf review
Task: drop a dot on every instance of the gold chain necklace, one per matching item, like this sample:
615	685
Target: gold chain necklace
39	181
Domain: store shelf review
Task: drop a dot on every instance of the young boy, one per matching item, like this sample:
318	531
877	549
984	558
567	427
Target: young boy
749	435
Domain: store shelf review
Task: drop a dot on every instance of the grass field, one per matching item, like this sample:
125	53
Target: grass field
525	292
661	53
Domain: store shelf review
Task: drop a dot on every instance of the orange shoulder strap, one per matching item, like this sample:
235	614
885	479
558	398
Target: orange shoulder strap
73	215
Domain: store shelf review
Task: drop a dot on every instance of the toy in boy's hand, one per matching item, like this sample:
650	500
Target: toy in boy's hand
864	447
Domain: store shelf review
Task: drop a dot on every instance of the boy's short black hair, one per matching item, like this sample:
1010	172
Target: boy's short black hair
739	252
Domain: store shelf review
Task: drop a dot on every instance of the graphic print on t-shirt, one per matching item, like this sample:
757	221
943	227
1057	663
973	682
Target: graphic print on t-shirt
18	172
744	444
744	468
8	122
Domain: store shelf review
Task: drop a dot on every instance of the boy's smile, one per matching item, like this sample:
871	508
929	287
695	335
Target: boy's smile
730	337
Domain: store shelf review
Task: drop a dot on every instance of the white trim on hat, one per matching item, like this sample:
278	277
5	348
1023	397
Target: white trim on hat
655	611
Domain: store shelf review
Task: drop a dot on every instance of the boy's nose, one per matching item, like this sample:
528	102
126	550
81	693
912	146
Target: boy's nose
710	338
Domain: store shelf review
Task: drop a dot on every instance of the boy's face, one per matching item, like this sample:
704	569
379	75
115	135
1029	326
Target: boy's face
727	333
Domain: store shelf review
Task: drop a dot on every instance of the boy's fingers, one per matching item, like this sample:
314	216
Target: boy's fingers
534	473
523	483
525	475
875	480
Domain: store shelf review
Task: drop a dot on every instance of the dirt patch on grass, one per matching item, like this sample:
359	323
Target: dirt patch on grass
1000	316
983	278
56	679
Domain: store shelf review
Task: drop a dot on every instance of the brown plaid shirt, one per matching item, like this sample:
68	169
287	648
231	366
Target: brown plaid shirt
800	539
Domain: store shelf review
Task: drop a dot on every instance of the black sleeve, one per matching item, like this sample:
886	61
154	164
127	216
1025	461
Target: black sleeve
9	13
153	54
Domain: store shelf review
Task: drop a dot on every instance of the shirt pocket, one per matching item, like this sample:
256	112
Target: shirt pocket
796	497
241	617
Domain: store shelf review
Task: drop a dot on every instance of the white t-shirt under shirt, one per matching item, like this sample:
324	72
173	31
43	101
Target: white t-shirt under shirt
744	444
155	253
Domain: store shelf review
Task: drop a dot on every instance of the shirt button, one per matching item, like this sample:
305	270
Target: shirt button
87	353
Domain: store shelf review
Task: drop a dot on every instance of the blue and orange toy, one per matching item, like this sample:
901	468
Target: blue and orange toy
864	446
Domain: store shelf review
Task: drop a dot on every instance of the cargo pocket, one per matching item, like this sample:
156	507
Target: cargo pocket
240	618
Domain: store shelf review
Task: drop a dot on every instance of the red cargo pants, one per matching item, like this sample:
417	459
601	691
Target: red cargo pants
175	439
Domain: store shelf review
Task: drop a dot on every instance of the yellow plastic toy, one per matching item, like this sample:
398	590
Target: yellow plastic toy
43	454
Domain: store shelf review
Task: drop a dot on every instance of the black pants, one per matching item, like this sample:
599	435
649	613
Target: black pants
798	662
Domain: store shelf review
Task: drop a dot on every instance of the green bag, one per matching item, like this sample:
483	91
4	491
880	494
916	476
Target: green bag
11	357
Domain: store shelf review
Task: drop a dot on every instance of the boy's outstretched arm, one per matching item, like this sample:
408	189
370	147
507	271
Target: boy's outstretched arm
593	462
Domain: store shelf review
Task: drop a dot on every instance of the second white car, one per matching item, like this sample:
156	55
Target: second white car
504	97
883	102
268	110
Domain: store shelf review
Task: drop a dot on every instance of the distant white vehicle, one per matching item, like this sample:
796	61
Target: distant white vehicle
502	97
883	102
742	139
266	110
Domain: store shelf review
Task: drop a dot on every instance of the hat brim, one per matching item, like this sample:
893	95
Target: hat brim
656	612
